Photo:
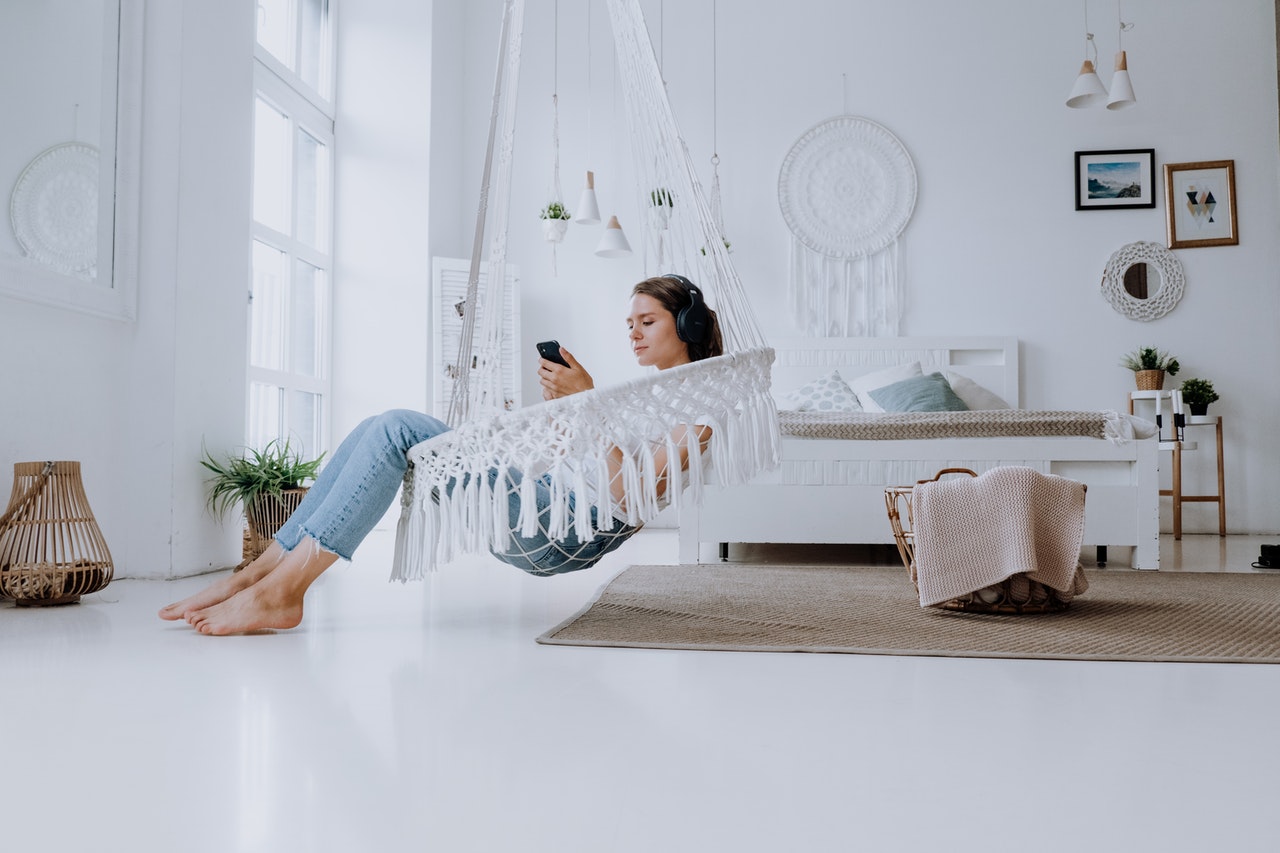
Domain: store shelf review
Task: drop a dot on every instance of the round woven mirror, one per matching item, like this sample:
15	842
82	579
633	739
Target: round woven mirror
1143	281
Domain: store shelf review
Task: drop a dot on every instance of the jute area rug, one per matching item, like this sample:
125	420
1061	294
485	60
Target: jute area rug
1131	616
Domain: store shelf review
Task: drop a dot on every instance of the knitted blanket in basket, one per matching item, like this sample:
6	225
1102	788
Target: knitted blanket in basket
973	532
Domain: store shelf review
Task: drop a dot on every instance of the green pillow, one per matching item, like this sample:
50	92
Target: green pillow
929	393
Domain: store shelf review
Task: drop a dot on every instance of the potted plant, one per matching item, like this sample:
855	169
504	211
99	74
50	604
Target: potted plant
1149	366
267	484
660	204
1198	394
555	221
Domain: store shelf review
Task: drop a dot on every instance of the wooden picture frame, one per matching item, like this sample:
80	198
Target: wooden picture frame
1197	213
1116	180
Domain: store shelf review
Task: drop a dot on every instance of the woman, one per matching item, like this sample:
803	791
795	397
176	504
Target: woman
669	325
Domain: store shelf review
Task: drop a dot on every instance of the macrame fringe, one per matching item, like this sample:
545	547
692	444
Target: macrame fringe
441	520
846	297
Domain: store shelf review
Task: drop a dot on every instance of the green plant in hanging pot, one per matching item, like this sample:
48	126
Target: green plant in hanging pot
266	484
1150	366
660	204
555	221
1198	394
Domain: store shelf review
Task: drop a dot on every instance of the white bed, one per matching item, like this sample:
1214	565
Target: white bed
832	490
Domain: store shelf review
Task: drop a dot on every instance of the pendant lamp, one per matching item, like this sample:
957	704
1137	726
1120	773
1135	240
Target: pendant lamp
613	243
588	210
1088	90
1121	86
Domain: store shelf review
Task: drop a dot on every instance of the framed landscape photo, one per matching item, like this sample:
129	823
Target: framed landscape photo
1201	204
1111	180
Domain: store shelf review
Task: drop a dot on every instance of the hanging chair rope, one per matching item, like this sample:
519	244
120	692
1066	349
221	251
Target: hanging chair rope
477	373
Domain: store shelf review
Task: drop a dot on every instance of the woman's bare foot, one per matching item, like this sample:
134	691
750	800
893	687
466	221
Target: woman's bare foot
252	609
224	588
274	601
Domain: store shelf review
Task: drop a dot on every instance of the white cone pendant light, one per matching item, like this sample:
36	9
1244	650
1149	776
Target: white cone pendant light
613	243
1088	90
1121	85
588	210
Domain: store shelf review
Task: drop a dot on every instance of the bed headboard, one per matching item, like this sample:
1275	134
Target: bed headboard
991	362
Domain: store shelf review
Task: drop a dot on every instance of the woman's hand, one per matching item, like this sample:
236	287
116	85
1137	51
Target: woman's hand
560	381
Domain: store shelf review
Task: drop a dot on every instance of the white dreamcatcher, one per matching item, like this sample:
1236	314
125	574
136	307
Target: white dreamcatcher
847	189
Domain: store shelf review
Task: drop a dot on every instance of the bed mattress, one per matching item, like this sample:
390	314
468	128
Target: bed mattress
994	423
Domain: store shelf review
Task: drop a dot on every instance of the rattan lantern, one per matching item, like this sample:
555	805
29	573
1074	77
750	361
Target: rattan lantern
51	550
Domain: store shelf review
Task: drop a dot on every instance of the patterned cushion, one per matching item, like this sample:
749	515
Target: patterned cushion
828	393
929	393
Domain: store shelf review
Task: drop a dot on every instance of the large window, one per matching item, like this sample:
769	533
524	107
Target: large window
289	305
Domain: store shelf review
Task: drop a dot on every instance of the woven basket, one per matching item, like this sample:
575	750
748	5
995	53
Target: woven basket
265	516
51	550
1016	595
1149	380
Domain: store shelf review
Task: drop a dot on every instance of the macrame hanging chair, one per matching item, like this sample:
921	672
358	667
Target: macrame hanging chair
456	492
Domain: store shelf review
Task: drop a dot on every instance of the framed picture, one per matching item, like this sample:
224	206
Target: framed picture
1201	203
1111	180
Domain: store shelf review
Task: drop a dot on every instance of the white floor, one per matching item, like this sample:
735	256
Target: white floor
425	718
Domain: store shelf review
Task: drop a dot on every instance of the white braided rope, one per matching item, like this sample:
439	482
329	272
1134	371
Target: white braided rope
570	439
693	242
477	372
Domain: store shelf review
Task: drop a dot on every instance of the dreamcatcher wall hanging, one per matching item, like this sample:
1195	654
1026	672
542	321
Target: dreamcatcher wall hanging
847	189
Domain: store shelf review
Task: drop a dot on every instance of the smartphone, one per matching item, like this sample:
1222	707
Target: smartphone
550	350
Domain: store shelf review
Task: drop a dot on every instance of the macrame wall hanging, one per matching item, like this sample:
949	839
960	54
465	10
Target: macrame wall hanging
847	189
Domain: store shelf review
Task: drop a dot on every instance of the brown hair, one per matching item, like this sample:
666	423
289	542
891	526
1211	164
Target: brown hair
674	296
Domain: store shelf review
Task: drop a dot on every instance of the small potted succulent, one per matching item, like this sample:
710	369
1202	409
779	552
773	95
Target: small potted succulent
555	221
1150	366
1198	394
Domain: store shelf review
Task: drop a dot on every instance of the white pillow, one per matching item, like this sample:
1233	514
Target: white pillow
828	393
974	395
868	382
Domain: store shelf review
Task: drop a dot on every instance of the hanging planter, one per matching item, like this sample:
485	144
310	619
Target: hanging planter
660	204
555	222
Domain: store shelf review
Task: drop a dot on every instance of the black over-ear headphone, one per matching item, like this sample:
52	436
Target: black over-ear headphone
692	320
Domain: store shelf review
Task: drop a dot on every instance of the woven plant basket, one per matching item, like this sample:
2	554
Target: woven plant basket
265	516
1017	595
51	550
1149	380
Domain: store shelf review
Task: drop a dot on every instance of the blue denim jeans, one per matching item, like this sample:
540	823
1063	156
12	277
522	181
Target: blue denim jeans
363	475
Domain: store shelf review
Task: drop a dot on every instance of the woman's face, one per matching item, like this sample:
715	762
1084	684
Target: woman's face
653	334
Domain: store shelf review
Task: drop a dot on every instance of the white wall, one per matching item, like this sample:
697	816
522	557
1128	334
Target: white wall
975	92
972	89
133	401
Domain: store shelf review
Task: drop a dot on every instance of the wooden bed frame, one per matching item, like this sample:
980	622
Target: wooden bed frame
791	504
